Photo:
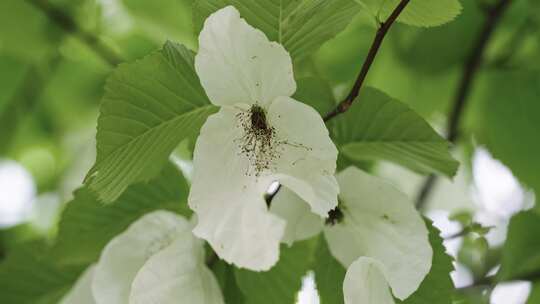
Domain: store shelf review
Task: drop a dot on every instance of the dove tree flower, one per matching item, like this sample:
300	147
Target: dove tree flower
157	260
259	136
381	239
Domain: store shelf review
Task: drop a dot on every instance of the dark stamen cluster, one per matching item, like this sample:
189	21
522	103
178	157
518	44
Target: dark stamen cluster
259	141
335	217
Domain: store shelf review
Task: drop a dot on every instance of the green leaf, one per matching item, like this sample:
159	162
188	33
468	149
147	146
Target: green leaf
378	127
329	275
479	229
227	281
477	296
301	26
521	252
281	283
416	47
87	226
417	12
437	287
149	107
28	277
315	92
534	296
507	121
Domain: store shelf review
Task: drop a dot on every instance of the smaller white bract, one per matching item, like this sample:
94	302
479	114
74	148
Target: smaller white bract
260	135
381	238
157	260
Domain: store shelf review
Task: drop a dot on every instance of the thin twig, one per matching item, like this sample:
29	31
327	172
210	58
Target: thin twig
425	191
472	66
457	235
470	71
66	23
374	49
491	281
473	228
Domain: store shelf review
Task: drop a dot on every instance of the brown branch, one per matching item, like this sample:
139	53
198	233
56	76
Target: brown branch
374	49
425	191
66	23
470	71
472	66
491	281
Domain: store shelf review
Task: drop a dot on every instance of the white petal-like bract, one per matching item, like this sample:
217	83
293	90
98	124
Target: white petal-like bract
229	201
124	255
302	224
236	63
307	161
153	261
259	136
81	292
381	223
227	192
365	284
177	274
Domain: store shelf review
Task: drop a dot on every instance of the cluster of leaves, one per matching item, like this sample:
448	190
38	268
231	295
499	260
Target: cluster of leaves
140	117
153	104
37	273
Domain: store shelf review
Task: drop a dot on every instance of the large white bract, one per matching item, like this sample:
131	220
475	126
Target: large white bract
381	239
259	136
302	224
157	260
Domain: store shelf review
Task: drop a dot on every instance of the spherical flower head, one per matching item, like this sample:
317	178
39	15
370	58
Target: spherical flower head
259	136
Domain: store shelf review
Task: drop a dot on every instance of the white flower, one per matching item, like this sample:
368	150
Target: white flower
381	239
259	136
157	260
301	223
